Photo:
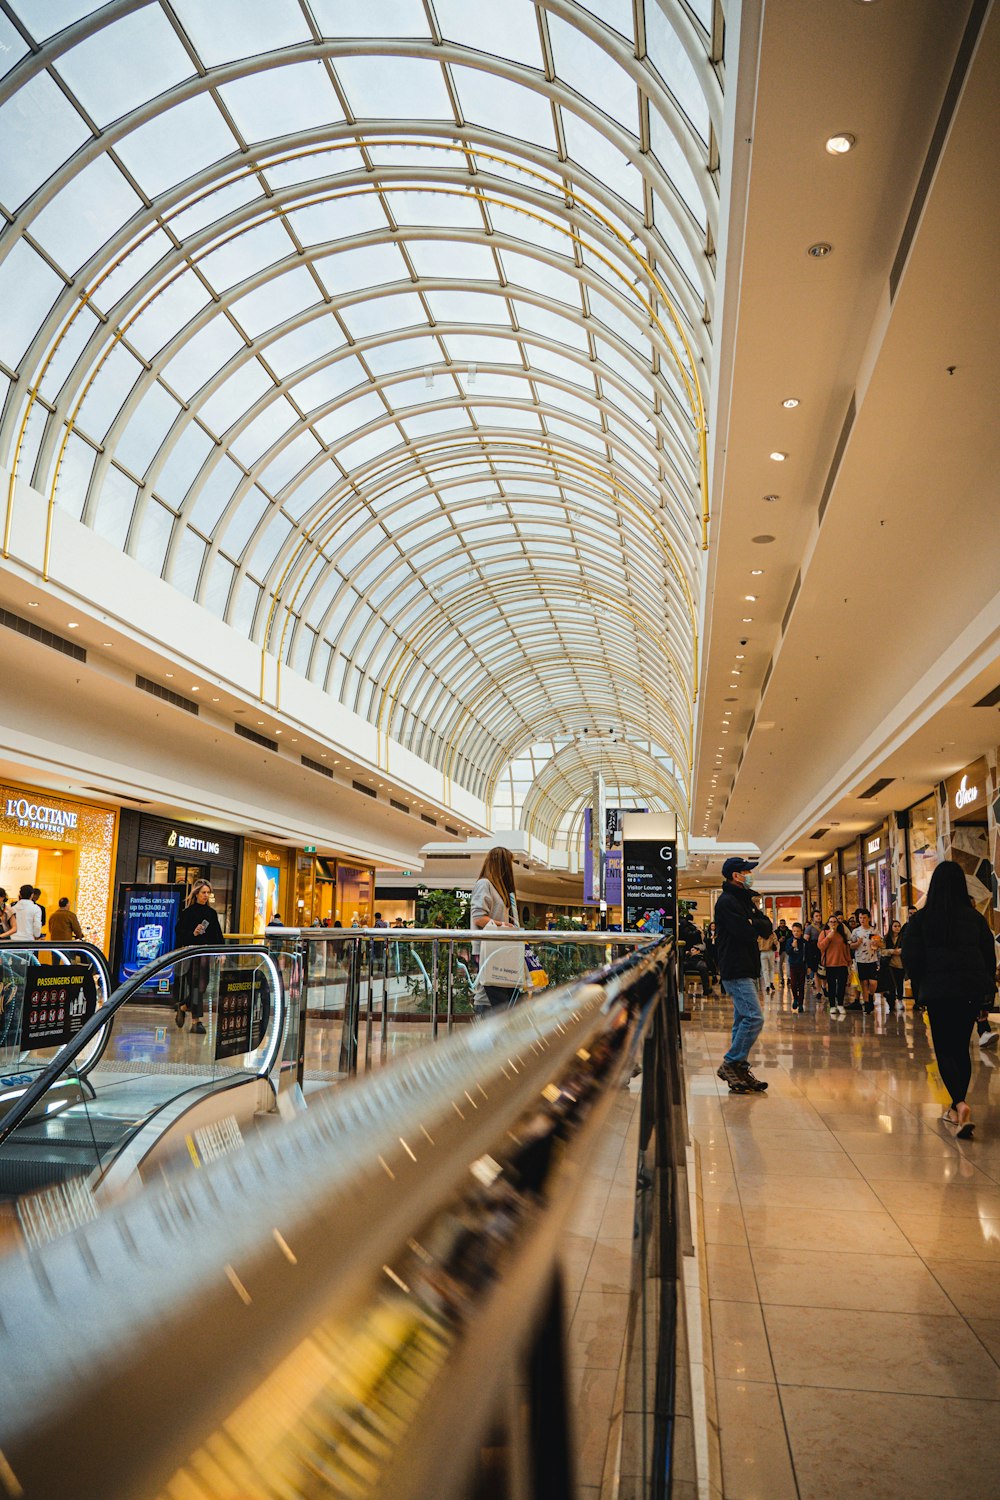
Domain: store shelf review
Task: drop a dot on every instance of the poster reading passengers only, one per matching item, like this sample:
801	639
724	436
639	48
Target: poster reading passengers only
241	1012
649	879
57	1001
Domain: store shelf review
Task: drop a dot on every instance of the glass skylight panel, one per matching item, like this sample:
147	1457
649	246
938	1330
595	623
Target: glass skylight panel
286	464
670	60
328	383
147	427
213	206
367	266
551	396
31	154
575	435
594	152
115	505
202	356
279	299
214	494
339	218
549	323
183	463
616	13
473	348
510	108
311	489
86	212
383	314
131	271
265	429
440	210
269	543
188	560
669	232
354	455
508	30
463	262
302	346
424	423
167	314
28	288
632	331
416	391
403	354
103	401
241	28
154	537
235	396
610	358
172	146
12	46
365	408
318	164
522	226
394	88
278	101
593	73
243	609
124	64
74	475
505	416
561	366
467	307
241	526
539	276
486	383
375	18
675	164
245	254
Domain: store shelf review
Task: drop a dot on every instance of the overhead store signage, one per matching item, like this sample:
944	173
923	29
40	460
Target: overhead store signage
190	845
874	845
828	869
967	790
39	815
649	885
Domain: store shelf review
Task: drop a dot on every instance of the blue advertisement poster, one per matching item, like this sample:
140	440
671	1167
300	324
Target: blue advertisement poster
147	922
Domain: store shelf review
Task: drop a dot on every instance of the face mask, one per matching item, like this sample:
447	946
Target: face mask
749	879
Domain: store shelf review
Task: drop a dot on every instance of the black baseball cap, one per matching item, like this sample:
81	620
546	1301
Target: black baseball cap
733	866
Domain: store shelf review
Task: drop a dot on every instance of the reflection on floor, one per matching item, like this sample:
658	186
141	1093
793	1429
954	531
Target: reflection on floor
853	1253
597	1268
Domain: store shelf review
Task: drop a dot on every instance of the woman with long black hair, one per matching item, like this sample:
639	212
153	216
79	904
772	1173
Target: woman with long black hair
494	904
197	924
949	955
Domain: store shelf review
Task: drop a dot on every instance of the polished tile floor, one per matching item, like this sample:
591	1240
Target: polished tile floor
853	1254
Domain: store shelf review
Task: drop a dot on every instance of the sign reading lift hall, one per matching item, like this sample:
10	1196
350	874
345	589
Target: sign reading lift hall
649	873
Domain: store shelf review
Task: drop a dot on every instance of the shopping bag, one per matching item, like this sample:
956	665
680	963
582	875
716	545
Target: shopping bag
852	979
501	964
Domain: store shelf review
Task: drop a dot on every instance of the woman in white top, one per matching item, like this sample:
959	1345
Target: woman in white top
493	905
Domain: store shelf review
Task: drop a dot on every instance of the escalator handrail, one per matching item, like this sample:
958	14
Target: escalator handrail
104	1017
97	958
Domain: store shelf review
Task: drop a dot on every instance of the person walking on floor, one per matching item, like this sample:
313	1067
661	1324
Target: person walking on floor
834	946
27	917
738	926
890	971
796	955
768	948
781	934
950	957
866	943
197	924
811	933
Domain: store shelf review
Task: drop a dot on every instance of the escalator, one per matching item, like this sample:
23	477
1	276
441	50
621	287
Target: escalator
98	1089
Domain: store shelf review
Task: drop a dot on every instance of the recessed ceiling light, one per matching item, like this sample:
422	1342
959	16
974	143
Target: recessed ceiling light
195	689
790	403
769	500
260	721
215	700
72	624
748	619
820	250
750	598
323	755
840	144
741	657
779	458
105	643
756	572
277	731
32	603
168	674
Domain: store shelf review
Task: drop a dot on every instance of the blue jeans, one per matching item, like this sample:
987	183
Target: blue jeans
748	1018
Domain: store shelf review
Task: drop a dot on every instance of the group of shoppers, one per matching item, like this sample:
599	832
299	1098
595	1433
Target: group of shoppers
24	920
946	949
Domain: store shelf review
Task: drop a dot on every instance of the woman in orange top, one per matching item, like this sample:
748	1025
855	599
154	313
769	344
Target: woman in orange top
834	945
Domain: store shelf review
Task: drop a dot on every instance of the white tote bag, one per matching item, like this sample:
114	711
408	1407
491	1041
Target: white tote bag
501	965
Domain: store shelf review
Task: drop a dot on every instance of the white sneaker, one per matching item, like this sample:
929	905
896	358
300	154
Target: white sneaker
989	1039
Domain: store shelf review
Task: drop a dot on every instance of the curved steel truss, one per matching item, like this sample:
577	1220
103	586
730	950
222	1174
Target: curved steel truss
388	350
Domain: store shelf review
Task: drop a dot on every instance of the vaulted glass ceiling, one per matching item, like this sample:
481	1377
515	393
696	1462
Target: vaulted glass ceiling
387	349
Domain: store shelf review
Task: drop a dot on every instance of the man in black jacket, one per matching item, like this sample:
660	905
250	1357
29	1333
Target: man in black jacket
738	925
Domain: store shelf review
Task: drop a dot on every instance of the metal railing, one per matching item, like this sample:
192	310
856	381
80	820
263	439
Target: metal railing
359	995
363	1302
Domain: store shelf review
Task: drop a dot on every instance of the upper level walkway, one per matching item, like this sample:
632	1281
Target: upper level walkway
852	1253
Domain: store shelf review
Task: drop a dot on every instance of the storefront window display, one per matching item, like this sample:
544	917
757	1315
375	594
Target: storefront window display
158	852
355	884
65	848
828	887
922	846
878	896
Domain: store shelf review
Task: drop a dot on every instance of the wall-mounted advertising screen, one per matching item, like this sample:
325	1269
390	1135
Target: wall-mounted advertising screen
147	922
